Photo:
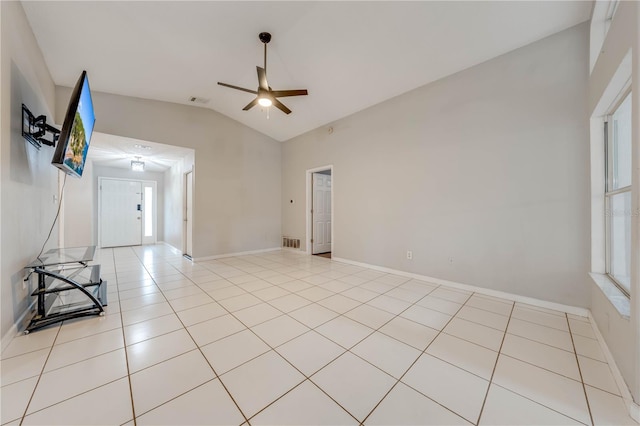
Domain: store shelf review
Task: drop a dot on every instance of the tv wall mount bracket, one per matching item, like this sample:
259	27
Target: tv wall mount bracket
35	129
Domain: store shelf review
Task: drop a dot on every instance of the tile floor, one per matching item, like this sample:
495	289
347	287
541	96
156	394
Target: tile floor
284	338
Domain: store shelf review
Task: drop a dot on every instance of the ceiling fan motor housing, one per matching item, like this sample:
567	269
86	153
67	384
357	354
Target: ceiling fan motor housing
265	37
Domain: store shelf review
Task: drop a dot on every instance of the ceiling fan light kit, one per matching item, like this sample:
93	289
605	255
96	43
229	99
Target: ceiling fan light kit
265	96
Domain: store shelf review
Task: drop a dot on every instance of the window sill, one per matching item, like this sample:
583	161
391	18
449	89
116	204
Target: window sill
613	293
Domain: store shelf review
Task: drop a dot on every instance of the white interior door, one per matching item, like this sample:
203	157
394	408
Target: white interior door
188	214
120	213
321	212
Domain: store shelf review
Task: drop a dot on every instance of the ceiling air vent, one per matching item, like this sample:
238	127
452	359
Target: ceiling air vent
197	100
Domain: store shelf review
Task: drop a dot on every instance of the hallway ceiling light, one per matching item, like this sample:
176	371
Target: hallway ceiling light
137	165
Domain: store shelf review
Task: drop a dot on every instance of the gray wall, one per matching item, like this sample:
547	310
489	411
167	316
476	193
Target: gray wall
483	175
237	170
28	180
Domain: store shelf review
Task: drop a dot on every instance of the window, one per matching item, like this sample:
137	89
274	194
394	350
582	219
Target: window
148	211
618	194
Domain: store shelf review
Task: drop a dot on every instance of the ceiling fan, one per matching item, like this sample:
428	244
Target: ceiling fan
265	96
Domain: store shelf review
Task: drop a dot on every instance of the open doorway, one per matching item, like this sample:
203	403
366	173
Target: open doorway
320	211
188	215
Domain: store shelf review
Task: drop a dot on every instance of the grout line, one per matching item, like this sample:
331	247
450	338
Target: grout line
26	409
495	365
124	340
584	388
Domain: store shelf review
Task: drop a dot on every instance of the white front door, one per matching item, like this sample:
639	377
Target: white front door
120	213
321	213
188	214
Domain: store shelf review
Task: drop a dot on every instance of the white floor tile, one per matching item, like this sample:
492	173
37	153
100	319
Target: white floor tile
486	318
289	302
313	315
540	333
466	355
207	404
453	295
294	286
146	313
405	406
226	292
279	330
259	382
504	407
23	366
440	305
386	353
339	303
138	291
315	293
589	348
189	302
15	398
409	332
140	301
185	372
369	316
377	287
542	318
389	304
491	304
34	341
481	335
201	313
597	374
78	350
232	351
242	301
405	295
185	291
152	328
152	351
344	331
214	329
544	356
270	293
355	384
458	390
305	404
360	294
87	326
78	378
310	352
544	387
108	405
607	409
428	317
581	328
257	314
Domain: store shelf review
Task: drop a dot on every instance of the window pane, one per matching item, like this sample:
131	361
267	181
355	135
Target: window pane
620	238
148	211
620	147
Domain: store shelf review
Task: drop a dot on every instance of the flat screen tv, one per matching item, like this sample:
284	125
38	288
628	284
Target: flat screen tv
73	144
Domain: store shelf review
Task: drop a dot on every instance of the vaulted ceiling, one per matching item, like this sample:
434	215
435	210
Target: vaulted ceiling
349	55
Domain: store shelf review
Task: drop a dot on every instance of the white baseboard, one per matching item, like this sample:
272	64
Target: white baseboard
575	310
632	407
164	243
13	331
241	253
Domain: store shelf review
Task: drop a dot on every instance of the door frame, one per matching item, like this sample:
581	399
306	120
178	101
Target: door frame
155	208
309	186
184	209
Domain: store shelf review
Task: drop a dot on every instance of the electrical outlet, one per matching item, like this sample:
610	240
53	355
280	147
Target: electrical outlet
409	255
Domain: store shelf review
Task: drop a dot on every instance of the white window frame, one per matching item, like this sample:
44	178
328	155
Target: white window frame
608	194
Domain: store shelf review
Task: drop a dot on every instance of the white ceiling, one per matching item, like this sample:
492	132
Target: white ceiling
116	151
349	55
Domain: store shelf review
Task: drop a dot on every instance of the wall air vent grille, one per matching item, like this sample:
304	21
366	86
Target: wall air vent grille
291	242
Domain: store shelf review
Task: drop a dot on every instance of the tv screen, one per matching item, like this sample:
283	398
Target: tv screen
73	144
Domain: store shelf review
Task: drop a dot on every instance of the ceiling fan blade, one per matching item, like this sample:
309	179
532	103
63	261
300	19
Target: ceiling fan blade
281	106
251	105
238	88
283	93
262	79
